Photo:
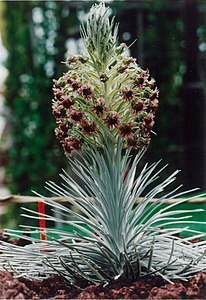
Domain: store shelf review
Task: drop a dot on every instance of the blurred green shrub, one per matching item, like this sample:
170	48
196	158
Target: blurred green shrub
35	37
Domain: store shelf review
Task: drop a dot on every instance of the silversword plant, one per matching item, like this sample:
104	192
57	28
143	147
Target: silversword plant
104	107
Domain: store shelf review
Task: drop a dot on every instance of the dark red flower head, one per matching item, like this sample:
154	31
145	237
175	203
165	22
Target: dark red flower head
67	102
65	126
87	127
60	134
86	91
133	142
139	81
58	111
128	94
99	106
149	118
112	119
75	85
70	144
138	106
67	149
149	122
126	130
57	93
76	116
75	143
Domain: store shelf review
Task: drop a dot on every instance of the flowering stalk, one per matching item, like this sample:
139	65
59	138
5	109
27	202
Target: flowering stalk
100	37
104	93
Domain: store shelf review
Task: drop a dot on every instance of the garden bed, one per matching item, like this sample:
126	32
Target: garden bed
55	287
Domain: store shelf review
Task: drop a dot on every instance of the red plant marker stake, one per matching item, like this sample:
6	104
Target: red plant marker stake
42	222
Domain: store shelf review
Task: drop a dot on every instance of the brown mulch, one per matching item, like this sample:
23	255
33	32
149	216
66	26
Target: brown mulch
55	287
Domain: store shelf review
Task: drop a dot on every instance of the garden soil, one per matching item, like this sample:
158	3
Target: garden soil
56	287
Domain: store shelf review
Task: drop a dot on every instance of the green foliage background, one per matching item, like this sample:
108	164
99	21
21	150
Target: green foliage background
35	156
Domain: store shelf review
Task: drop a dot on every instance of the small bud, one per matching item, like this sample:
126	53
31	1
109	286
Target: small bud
154	105
71	59
154	95
83	58
122	47
122	68
103	77
149	119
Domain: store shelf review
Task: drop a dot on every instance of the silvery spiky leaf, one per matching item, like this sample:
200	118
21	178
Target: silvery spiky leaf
113	237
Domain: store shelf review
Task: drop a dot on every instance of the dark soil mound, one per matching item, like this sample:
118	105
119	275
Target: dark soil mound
55	287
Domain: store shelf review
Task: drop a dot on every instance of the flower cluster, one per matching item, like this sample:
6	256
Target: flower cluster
110	97
85	106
